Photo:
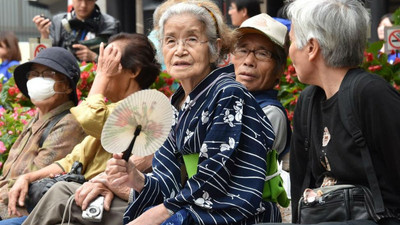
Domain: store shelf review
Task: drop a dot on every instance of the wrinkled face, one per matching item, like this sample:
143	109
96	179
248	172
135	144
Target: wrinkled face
83	8
254	73
381	28
185	49
237	16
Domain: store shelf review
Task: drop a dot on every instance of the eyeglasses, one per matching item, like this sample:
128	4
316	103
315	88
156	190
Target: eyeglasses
192	42
260	54
45	74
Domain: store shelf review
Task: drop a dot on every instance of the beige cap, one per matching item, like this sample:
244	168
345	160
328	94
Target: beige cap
264	24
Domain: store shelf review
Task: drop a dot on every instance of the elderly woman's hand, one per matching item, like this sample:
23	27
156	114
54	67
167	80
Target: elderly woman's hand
108	66
154	216
17	194
120	172
109	61
89	191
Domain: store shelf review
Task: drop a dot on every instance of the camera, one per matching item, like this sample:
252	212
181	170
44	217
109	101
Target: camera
43	16
94	212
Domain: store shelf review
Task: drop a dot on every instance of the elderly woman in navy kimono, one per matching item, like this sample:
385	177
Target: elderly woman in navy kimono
217	120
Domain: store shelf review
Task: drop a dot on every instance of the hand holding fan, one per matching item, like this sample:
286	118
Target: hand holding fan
139	124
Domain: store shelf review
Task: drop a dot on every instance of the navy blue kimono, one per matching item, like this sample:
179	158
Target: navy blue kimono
222	122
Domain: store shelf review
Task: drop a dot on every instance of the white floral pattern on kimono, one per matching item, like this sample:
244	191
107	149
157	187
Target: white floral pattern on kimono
222	123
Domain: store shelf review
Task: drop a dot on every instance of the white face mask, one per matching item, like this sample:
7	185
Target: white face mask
40	88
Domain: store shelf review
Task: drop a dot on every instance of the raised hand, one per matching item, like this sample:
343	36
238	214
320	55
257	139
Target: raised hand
108	66
42	25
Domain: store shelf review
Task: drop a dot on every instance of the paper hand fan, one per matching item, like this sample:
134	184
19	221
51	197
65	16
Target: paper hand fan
139	124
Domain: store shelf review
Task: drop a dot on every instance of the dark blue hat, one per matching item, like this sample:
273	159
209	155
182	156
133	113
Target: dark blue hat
56	58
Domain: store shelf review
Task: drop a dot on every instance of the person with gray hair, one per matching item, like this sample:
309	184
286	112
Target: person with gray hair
212	167
326	51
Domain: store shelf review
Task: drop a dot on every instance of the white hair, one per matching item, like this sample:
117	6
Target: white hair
205	15
339	26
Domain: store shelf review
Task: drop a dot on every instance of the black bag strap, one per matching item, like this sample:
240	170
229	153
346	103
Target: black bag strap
309	94
346	105
52	123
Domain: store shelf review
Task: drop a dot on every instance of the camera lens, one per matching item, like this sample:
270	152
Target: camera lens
93	211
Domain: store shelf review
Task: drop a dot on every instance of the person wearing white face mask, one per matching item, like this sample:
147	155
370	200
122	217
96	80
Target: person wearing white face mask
42	88
49	81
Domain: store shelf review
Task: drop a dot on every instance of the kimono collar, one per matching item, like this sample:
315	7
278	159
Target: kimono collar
202	86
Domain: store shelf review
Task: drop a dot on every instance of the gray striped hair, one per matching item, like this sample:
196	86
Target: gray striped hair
339	26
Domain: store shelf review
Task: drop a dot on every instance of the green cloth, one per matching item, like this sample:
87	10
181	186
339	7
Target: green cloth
191	162
273	188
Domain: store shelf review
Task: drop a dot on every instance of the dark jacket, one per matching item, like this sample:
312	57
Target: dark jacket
377	106
100	24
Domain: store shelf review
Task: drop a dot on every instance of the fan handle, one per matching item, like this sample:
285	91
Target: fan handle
128	151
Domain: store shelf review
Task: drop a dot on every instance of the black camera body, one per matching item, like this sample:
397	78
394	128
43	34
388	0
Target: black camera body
92	44
45	18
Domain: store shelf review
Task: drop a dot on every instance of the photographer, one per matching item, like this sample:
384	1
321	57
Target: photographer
80	31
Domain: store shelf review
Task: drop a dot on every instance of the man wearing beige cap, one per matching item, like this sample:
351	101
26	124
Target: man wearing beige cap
259	59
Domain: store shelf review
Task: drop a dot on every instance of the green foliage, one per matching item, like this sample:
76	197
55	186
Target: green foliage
11	125
376	62
88	72
396	17
289	89
9	94
166	84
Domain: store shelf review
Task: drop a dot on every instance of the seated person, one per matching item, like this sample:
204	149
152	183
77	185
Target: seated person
327	60
127	65
85	22
260	59
49	81
221	131
9	53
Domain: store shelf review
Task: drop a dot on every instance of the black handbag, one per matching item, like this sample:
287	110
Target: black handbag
38	188
336	203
